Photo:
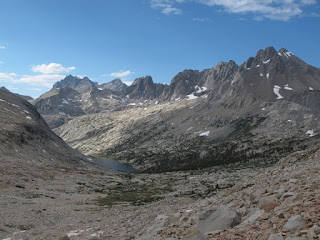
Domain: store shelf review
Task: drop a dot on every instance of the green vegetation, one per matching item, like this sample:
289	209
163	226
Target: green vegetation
133	193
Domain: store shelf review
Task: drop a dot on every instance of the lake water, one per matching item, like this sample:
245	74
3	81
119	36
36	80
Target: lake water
113	164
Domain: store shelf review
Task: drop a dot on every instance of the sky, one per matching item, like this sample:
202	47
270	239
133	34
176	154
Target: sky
42	41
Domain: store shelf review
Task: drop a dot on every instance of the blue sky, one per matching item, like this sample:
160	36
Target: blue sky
42	41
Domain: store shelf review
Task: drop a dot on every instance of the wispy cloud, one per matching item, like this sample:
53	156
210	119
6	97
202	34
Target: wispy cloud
7	77
35	89
52	68
127	83
121	74
273	9
1	62
2	47
282	10
200	19
167	6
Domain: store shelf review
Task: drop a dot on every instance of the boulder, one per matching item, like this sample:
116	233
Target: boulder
294	223
275	237
267	200
220	219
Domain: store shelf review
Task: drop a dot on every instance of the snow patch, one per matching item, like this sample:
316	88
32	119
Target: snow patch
26	111
289	120
258	66
204	134
265	62
261	75
1	100
200	89
280	54
11	111
268	75
288	54
204	96
286	87
191	97
132	104
156	102
89	159
311	89
75	233
189	129
177	99
64	101
194	106
100	89
28	117
263	109
276	90
15	105
310	133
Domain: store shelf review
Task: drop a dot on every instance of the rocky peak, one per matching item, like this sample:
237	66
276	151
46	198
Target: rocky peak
79	84
4	89
143	81
115	85
188	76
266	54
144	87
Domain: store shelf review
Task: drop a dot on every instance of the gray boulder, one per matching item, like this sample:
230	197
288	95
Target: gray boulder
295	223
222	218
275	237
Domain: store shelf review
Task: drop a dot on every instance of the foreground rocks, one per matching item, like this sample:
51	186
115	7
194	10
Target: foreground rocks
278	202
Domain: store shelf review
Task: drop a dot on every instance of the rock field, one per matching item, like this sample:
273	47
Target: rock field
231	202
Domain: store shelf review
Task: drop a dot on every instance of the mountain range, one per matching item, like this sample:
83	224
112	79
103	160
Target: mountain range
259	111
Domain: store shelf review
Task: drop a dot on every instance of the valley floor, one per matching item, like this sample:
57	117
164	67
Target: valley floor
73	203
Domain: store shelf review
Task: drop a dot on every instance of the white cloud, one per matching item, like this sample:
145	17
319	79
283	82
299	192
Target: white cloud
282	10
167	6
1	62
2	47
54	68
121	74
44	80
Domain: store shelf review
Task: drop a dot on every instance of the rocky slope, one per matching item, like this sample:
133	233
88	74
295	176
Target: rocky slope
27	139
28	98
236	201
